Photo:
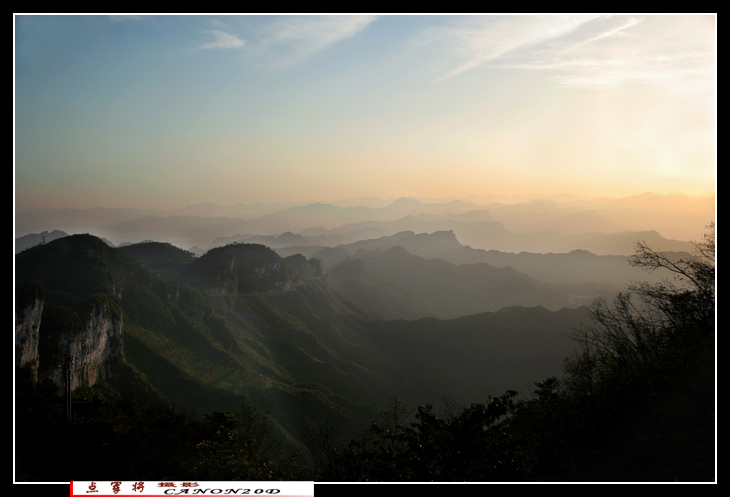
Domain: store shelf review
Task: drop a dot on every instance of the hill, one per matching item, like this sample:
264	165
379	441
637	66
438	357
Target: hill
601	226
472	357
453	291
578	271
32	239
163	258
152	321
385	299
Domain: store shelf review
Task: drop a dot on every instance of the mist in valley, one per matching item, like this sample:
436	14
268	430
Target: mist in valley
365	248
333	324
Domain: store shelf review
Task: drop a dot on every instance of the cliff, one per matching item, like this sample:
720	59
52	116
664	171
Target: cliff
96	348
95	352
68	304
27	333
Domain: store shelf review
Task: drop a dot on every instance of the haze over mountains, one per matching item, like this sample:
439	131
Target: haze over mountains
410	258
309	215
242	320
320	311
602	226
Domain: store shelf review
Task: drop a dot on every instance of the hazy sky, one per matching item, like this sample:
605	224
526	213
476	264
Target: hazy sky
172	110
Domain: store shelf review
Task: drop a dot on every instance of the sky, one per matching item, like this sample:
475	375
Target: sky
164	111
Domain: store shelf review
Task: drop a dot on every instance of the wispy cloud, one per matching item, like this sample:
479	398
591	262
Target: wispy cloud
676	52
289	41
213	21
477	40
221	39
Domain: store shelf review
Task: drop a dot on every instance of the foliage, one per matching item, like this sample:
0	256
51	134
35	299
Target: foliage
651	328
26	293
432	448
121	438
241	448
635	403
687	301
58	321
647	365
239	268
323	442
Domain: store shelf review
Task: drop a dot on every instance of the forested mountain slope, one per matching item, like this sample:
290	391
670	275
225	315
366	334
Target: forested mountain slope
243	322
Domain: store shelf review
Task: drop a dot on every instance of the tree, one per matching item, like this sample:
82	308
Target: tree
323	441
642	385
475	445
687	301
650	320
636	403
241	447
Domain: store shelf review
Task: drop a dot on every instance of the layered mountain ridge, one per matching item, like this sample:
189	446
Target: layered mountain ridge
322	311
245	321
602	226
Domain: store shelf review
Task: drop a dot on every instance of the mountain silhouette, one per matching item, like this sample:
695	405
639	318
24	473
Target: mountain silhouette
243	321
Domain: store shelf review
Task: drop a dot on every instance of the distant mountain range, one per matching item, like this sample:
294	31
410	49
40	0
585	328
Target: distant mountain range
601	226
243	320
33	239
412	275
320	313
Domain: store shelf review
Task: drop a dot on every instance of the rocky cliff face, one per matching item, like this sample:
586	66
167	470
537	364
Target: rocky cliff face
96	350
96	353
27	326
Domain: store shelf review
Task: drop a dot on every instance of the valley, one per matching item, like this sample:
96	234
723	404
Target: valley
314	330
